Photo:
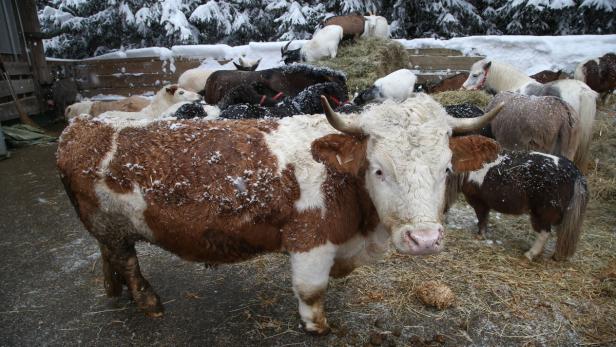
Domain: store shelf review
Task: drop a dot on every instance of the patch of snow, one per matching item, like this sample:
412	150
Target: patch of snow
531	54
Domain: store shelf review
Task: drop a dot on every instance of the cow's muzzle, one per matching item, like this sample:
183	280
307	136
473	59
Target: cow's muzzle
422	239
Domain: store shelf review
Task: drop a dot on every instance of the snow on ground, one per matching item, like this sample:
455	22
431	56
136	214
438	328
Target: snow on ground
528	53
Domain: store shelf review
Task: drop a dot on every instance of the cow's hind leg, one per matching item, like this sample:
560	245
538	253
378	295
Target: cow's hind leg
310	277
113	278
124	260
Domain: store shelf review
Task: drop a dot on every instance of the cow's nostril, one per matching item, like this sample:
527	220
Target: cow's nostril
411	237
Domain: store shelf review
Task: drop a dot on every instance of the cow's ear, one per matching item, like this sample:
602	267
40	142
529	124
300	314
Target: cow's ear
171	89
471	152
487	65
239	67
343	153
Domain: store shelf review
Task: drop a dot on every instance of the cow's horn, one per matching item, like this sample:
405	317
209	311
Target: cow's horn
286	47
465	125
338	123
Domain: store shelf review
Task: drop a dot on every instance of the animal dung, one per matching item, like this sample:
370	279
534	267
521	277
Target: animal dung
435	294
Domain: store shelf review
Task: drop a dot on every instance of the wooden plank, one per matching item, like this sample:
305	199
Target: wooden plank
126	81
425	62
19	86
423	78
124	91
17	68
133	65
446	52
29	104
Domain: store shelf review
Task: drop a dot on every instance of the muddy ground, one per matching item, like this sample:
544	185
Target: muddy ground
51	290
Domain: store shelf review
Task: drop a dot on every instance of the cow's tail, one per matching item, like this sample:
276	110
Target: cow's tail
588	109
570	228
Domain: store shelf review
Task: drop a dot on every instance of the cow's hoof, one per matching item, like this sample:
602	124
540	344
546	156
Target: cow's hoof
316	330
528	255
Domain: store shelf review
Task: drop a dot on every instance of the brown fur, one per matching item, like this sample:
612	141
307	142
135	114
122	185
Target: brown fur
130	104
601	77
352	25
471	152
542	123
546	76
454	82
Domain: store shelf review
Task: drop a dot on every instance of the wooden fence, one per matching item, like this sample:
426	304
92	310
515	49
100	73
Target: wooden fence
25	88
135	76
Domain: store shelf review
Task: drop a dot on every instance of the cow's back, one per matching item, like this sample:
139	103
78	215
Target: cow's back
206	191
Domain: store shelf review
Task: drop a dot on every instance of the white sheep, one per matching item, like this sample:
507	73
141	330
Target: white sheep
324	43
397	86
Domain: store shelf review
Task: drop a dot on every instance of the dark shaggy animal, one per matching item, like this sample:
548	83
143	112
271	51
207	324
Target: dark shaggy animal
191	110
352	25
546	76
542	123
63	93
290	80
599	74
306	102
549	188
256	93
469	111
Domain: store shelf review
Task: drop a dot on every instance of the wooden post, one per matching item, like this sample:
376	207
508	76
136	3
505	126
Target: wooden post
32	32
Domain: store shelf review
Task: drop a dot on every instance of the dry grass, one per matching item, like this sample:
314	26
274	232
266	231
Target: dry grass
367	60
455	97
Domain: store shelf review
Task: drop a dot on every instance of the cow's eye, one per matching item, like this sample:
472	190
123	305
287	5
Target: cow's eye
475	75
181	93
379	172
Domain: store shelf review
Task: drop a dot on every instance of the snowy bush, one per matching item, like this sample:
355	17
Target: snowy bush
83	28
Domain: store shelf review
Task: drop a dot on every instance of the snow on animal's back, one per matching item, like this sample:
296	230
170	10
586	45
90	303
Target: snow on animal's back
398	85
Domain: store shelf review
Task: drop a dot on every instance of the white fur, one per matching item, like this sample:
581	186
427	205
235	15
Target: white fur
398	85
553	157
159	106
479	175
538	246
310	275
362	250
324	43
195	79
290	143
131	204
77	109
376	26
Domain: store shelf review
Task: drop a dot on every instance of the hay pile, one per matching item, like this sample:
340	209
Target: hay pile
455	97
366	60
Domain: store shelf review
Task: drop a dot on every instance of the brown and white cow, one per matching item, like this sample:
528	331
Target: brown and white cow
225	191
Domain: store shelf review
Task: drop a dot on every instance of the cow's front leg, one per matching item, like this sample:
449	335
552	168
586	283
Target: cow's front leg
310	276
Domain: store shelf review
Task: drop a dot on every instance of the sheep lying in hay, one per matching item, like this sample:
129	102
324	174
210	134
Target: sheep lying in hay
94	108
397	86
306	102
549	188
456	97
324	43
165	102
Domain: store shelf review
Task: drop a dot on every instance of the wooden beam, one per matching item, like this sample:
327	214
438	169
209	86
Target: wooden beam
19	86
446	52
425	62
17	68
8	110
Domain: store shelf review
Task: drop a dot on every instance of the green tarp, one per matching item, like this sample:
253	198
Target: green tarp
25	135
